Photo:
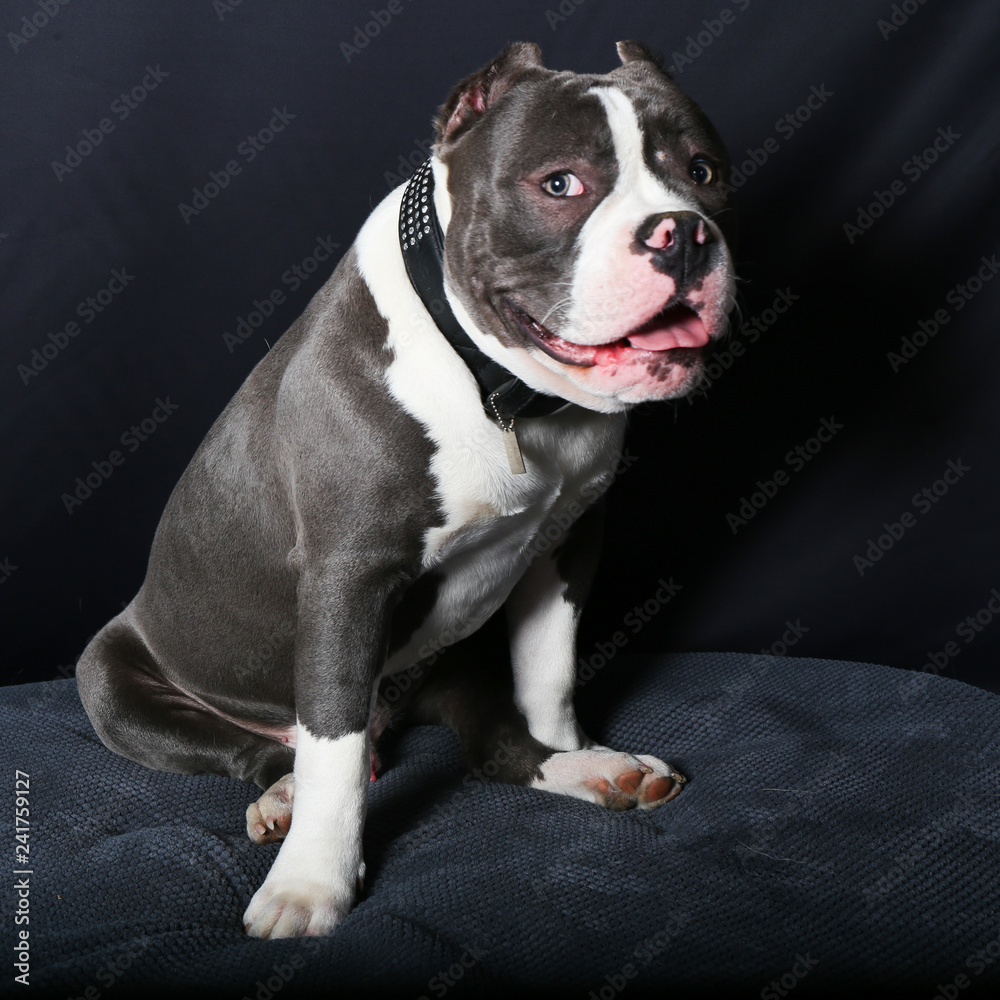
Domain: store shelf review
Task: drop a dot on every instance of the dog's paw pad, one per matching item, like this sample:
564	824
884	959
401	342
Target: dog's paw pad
660	789
607	794
629	781
615	780
660	784
270	817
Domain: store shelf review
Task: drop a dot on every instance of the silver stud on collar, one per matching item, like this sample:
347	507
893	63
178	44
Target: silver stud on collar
417	222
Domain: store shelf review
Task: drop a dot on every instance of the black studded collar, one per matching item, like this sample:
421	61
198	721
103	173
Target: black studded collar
504	395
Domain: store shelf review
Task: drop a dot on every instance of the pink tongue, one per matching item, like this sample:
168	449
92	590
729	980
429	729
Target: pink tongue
685	331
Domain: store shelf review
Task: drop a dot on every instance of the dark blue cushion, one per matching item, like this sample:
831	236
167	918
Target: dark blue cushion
840	829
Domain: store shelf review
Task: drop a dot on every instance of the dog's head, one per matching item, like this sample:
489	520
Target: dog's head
584	225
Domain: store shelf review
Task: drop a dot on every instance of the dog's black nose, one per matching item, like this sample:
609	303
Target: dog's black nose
679	244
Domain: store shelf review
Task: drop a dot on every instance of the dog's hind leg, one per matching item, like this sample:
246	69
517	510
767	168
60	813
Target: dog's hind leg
142	716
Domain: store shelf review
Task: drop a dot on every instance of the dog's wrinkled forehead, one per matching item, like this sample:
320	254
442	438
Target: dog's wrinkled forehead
666	115
519	117
549	114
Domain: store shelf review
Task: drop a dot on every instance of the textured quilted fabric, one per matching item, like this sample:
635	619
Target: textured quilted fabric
840	830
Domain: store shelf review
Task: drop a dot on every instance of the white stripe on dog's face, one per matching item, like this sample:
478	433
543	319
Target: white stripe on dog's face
613	289
600	313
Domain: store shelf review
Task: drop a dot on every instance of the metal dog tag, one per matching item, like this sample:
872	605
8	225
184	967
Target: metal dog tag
514	456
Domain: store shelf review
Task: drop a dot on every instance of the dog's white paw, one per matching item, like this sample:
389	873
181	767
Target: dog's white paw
298	907
292	903
611	778
303	909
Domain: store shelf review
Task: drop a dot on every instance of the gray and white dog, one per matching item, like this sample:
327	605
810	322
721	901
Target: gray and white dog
454	393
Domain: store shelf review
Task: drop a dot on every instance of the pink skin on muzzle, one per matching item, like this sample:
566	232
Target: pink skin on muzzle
631	318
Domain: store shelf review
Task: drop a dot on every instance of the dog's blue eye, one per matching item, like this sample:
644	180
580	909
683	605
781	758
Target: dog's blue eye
702	170
563	185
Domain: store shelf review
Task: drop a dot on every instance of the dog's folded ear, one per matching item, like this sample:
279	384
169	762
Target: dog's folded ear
470	100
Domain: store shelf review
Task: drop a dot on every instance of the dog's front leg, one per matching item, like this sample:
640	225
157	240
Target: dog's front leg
340	646
542	615
543	611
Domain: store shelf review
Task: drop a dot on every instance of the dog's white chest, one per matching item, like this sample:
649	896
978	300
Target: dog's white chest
490	515
493	517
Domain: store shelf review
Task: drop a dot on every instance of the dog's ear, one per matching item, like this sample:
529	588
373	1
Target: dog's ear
470	100
637	52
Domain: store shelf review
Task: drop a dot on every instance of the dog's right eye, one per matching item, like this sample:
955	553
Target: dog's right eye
702	170
563	185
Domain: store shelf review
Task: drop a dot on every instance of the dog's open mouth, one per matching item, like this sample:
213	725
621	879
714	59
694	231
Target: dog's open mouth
673	327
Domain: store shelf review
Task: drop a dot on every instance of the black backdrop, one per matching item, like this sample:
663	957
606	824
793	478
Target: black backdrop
866	134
